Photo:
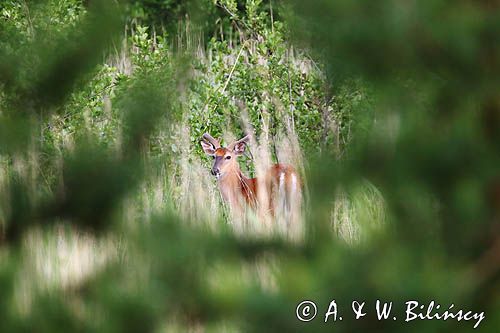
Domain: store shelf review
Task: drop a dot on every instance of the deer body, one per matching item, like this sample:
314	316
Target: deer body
280	184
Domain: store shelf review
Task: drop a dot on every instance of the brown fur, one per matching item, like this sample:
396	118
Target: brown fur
238	190
235	186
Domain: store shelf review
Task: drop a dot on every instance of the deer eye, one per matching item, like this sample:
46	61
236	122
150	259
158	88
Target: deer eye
228	157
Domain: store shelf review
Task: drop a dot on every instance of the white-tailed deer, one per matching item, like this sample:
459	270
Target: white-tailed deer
279	186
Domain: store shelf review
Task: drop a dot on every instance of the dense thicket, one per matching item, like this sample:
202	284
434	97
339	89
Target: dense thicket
99	101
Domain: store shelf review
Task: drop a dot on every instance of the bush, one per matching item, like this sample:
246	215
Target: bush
101	109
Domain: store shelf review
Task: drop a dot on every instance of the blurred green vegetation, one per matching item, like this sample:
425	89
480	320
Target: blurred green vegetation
100	100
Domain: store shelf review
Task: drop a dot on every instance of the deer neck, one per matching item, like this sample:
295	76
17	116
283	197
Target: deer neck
234	186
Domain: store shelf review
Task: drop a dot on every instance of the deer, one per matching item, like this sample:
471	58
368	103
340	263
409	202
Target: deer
279	185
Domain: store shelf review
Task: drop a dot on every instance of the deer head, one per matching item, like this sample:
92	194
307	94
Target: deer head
224	157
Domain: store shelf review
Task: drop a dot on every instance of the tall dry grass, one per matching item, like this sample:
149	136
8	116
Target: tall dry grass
63	258
196	197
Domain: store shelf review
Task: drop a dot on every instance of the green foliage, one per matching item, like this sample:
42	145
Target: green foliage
276	85
156	11
400	95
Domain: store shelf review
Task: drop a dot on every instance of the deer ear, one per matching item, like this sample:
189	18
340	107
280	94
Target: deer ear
208	148
239	148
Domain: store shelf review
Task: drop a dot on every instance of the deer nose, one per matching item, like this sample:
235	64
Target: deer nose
215	172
